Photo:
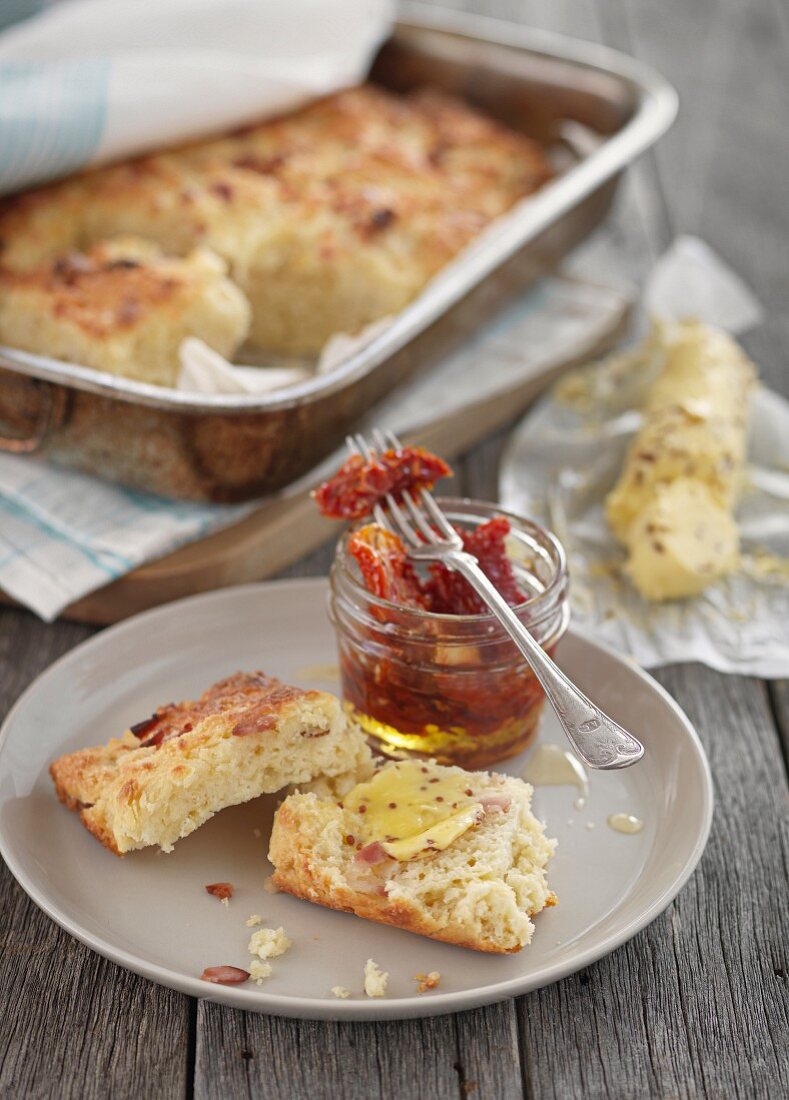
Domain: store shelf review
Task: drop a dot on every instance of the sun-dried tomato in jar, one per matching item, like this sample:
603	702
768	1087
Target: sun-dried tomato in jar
424	668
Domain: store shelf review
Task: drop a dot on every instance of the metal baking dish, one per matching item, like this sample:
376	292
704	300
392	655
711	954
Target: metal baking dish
225	448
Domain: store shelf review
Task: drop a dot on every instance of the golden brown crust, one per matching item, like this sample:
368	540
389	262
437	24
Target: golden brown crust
108	289
347	206
99	297
239	707
396	913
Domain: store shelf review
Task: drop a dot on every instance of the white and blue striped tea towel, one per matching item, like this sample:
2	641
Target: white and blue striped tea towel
89	81
64	534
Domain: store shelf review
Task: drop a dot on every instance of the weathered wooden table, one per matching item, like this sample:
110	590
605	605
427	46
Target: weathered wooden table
696	1005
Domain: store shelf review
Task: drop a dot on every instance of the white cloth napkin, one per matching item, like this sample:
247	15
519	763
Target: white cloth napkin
88	81
564	458
64	534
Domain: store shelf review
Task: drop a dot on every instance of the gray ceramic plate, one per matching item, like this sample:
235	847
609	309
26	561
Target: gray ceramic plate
149	912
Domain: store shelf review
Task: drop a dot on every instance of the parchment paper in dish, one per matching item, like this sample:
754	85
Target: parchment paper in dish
567	453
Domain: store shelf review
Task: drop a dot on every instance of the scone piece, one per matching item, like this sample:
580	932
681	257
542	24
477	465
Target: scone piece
123	307
247	735
454	855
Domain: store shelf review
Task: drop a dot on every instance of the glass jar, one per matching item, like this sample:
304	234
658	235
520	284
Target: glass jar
452	687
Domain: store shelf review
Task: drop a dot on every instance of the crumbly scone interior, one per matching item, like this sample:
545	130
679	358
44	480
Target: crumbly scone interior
482	890
132	797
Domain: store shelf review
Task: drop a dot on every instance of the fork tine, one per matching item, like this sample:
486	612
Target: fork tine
418	517
379	440
437	516
394	442
350	443
401	523
363	447
381	518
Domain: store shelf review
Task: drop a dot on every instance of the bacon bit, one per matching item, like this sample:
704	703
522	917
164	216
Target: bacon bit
382	218
223	190
427	981
139	729
221	890
371	853
264	165
71	266
496	802
122	264
128	311
225	975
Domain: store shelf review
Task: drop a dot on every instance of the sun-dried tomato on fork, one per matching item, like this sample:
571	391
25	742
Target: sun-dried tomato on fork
360	484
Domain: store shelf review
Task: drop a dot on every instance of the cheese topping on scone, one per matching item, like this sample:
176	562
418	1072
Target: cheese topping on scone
248	735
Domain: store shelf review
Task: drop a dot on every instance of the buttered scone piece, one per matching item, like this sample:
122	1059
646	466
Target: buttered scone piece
694	433
247	735
681	542
450	854
123	307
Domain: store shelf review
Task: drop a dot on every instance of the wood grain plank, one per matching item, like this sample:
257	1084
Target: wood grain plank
724	166
779	699
438	1058
73	1024
696	1005
240	1054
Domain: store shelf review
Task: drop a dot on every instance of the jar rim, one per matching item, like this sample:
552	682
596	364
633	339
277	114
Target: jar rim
554	588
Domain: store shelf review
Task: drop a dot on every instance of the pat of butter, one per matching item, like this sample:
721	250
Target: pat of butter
695	421
413	808
673	445
437	837
681	542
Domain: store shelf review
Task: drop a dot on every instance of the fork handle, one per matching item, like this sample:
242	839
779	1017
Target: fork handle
597	739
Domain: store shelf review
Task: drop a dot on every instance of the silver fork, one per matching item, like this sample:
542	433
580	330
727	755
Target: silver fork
599	740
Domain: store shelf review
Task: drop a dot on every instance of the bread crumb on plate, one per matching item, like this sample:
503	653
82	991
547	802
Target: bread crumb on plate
259	970
375	979
256	918
340	991
427	981
269	942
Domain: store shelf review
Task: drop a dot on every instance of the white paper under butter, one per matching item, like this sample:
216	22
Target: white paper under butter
563	459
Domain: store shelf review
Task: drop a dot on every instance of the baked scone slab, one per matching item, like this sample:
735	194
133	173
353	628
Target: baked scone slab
247	735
